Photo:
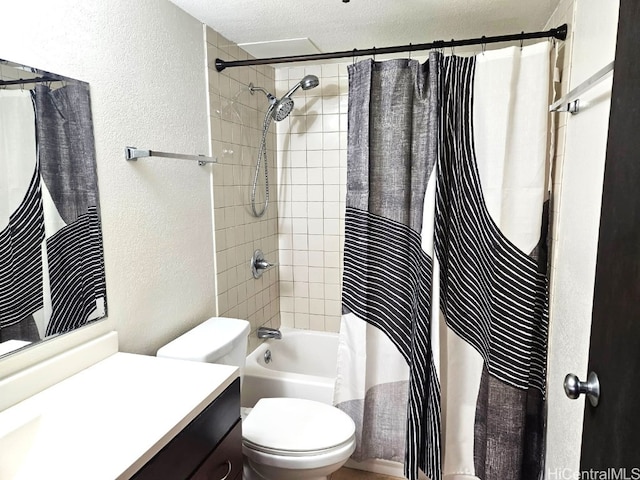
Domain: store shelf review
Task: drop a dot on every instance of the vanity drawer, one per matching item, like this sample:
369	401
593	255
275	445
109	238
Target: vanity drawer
182	456
225	463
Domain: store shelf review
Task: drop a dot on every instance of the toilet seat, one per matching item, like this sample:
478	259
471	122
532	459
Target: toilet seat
294	433
289	453
332	456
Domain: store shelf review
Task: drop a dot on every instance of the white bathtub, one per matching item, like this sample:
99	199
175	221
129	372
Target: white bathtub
303	365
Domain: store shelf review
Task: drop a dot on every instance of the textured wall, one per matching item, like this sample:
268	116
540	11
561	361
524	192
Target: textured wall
145	62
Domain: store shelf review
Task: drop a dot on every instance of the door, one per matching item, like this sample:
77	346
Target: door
611	434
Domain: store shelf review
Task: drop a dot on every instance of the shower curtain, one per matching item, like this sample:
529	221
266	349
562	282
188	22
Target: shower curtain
442	352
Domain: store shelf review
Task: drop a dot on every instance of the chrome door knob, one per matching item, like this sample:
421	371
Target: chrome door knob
573	387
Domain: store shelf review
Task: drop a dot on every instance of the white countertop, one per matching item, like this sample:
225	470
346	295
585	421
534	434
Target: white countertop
108	420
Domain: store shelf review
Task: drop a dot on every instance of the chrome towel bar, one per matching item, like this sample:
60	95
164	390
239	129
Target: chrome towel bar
570	103
133	154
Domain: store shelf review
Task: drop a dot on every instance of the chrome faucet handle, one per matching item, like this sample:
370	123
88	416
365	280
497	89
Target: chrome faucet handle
259	264
263	264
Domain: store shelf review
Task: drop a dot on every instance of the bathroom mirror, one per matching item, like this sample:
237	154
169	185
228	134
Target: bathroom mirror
51	257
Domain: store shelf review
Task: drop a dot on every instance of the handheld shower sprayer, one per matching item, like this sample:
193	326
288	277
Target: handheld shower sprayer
278	110
282	107
307	83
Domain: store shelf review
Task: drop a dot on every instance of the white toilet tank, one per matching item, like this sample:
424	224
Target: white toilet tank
217	340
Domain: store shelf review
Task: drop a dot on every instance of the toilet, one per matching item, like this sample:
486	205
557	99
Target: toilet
282	438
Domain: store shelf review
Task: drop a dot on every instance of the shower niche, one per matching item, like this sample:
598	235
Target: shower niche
52	277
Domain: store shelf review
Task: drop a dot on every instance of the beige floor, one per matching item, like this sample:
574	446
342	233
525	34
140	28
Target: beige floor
350	474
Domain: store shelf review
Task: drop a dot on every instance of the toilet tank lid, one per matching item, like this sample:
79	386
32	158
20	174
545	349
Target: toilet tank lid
208	341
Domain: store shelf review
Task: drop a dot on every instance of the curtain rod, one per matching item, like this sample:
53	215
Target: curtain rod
29	80
559	33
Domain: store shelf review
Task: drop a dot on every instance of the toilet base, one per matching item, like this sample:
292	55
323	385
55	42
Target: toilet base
265	472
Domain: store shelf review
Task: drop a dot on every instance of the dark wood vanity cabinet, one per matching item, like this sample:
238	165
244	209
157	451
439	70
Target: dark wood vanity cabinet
209	448
225	462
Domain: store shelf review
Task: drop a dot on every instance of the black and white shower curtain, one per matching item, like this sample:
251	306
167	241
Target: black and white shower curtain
442	351
51	259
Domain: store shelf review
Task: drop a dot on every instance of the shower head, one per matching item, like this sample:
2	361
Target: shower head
278	110
281	108
307	83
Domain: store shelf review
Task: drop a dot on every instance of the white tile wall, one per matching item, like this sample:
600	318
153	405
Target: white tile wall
312	166
236	118
563	14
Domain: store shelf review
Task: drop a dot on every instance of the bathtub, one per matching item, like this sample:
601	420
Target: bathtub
303	365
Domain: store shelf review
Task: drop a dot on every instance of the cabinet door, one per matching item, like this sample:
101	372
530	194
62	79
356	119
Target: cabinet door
225	463
183	455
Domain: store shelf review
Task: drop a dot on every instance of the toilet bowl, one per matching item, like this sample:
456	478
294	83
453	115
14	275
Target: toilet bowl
291	438
282	438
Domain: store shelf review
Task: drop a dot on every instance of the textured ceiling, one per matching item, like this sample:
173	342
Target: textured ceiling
333	25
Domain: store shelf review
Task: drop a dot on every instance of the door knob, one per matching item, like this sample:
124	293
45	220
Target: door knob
573	387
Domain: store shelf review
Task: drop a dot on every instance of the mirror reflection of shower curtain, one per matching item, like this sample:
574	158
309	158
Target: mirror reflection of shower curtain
49	190
66	152
21	221
449	158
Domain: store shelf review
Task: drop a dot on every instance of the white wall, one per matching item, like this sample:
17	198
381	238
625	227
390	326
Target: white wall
145	62
578	177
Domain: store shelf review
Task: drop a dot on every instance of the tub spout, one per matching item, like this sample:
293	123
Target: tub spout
266	332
